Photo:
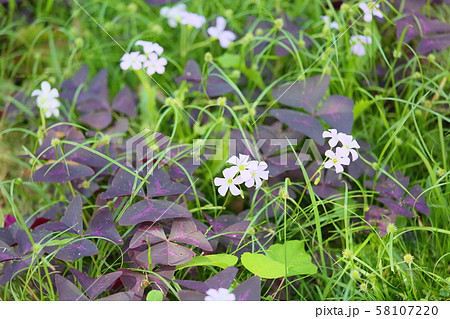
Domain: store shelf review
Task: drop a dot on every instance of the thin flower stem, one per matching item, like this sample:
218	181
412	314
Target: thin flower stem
224	204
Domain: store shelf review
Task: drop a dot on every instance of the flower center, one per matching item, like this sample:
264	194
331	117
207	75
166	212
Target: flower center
230	181
241	167
335	160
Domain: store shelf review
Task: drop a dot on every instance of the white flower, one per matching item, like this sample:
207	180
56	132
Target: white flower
333	134
193	19
221	294
219	32
229	182
133	59
332	25
337	159
357	42
257	172
150	47
241	165
348	145
155	64
47	99
370	9
173	14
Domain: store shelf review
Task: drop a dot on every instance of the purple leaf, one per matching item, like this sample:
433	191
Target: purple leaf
416	202
388	186
73	216
304	94
123	184
61	172
95	286
6	253
249	290
98	120
419	25
301	122
159	184
125	102
184	231
166	253
70	86
147	234
193	285
235	232
102	225
189	295
133	281
337	111
380	218
72	252
395	206
192	72
438	42
120	296
152	210
67	291
13	269
223	279
6	237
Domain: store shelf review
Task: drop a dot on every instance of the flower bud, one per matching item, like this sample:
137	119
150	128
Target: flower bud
208	57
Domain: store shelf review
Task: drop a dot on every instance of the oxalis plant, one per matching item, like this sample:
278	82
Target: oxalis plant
235	151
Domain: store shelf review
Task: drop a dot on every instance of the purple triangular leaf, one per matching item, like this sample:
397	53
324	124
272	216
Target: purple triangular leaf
249	290
223	279
93	287
73	216
193	285
301	122
72	252
123	184
337	111
152	210
67	291
147	234
416	202
6	253
102	225
166	253
120	296
125	102
61	173
184	231
190	295
395	207
98	120
437	42
304	94
160	184
13	269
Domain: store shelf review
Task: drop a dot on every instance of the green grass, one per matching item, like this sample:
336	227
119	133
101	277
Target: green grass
406	122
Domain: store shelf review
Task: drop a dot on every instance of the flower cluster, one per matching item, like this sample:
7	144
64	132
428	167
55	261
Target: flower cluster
329	23
342	154
149	60
225	37
251	173
220	294
178	14
47	99
370	9
357	44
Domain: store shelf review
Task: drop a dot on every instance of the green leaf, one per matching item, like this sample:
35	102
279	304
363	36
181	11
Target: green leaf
154	295
274	264
229	60
220	260
360	107
262	266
